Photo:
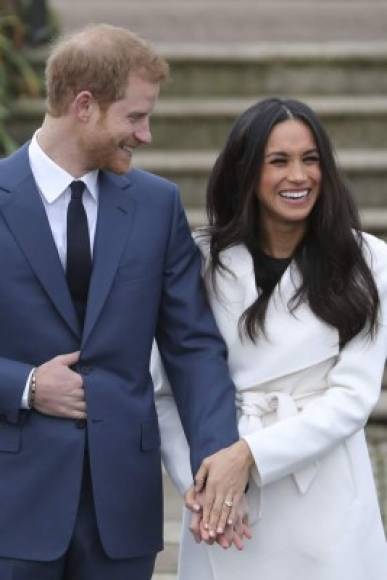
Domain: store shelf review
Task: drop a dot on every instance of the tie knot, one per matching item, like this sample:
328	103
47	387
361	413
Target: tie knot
77	188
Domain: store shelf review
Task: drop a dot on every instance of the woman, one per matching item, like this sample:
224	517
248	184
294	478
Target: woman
299	295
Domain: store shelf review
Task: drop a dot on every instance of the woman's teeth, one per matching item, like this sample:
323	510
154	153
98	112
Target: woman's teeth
294	194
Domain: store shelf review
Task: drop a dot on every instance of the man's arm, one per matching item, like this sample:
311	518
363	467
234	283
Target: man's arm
193	353
59	389
195	359
13	377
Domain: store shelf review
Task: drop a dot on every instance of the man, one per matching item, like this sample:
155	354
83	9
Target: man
96	260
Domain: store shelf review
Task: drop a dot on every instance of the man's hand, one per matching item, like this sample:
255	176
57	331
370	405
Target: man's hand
59	390
233	535
224	476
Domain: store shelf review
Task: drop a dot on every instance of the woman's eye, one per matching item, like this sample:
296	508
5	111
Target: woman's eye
278	162
312	159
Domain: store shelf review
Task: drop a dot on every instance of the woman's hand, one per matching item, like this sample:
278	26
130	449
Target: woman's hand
232	535
223	477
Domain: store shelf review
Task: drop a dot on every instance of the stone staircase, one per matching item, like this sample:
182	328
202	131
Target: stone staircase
226	55
216	21
211	85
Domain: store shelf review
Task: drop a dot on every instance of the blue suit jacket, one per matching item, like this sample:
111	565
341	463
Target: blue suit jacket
145	282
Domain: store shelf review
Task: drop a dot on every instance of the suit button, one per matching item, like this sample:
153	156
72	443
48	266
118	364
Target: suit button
85	370
80	423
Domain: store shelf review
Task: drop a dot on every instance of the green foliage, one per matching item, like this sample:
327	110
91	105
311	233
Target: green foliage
16	75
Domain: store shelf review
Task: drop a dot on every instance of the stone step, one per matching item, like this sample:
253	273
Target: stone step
173	506
377	445
277	69
166	561
366	170
243	21
248	70
379	414
203	123
352	121
374	221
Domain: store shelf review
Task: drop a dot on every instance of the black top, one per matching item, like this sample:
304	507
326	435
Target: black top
268	270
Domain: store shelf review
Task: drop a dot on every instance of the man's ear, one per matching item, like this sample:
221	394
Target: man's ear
84	106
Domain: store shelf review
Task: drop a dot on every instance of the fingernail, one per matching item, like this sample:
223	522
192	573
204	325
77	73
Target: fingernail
196	507
212	534
229	522
219	531
206	526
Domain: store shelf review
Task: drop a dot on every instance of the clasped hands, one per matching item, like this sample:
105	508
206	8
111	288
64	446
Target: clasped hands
218	499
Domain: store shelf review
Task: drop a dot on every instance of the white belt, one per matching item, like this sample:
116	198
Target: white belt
253	405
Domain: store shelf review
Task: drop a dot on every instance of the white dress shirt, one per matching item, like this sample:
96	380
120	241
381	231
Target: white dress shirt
53	184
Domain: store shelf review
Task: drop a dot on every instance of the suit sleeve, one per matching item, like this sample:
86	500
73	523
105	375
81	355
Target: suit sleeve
354	382
193	353
13	377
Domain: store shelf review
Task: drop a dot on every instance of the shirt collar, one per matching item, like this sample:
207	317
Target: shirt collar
51	179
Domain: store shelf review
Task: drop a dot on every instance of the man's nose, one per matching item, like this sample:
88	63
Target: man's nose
143	133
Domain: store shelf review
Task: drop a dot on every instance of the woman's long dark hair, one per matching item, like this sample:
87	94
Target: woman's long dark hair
336	280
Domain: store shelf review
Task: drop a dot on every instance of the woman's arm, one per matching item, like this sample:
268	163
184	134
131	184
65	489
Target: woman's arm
174	446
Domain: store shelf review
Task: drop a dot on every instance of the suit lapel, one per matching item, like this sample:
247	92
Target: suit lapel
115	214
24	213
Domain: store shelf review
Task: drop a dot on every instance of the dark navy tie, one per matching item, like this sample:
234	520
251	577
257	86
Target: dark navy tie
78	269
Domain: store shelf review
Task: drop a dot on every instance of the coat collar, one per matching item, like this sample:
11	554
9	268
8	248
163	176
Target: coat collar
292	341
51	179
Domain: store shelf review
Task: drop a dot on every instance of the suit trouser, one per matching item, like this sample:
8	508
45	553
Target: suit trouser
85	558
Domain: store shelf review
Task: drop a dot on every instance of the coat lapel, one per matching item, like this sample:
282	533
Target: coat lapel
292	341
115	214
26	218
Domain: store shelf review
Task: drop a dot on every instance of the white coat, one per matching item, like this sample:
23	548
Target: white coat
302	406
